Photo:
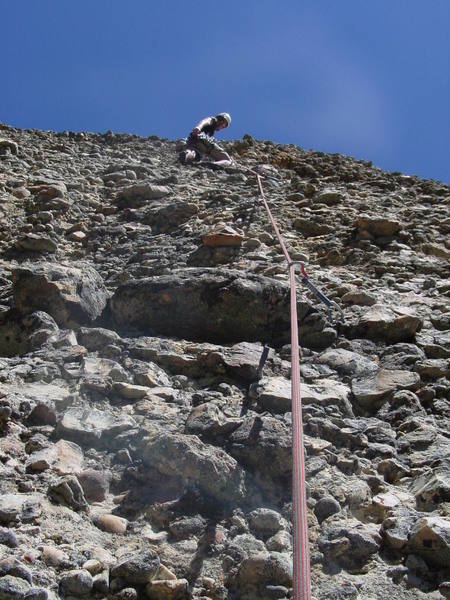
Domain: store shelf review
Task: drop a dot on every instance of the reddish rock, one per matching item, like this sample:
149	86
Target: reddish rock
225	236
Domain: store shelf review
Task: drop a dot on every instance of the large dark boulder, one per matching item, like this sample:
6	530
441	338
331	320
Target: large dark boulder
208	304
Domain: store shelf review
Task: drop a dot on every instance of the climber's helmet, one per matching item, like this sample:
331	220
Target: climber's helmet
223	119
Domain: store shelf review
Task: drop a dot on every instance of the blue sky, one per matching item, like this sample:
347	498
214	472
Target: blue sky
366	79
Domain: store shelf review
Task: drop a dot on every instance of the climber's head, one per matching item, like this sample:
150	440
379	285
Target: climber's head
223	120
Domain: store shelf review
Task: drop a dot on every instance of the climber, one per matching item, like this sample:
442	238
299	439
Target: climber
201	142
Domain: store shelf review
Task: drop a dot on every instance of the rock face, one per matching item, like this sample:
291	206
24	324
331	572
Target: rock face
145	396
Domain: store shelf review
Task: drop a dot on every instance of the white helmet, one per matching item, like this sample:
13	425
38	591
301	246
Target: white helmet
225	116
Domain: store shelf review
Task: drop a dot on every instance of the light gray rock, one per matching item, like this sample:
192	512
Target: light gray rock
90	426
71	295
8	538
432	488
76	583
350	544
347	363
13	588
265	522
176	589
25	507
327	392
70	458
212	469
42	460
39	593
243	360
96	338
139	194
382	323
370	391
103	368
430	539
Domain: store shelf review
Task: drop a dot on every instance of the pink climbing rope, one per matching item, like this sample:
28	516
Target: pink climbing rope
302	577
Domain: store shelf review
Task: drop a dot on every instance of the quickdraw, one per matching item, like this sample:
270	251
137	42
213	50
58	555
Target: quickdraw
320	295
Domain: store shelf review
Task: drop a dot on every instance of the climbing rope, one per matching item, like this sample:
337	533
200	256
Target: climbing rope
301	570
302	578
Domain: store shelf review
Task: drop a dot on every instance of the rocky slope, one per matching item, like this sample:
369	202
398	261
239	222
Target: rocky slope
145	443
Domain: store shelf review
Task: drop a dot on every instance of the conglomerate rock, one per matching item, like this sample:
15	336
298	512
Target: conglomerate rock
145	400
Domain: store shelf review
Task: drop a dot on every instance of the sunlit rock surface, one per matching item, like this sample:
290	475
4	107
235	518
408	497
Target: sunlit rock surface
145	396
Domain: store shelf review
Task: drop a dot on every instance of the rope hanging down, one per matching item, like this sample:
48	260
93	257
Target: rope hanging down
302	578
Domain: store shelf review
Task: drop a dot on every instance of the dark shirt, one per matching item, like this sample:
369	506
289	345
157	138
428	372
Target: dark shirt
208	125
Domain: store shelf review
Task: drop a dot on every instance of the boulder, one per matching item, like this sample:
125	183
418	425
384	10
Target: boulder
225	236
350	544
71	295
8	538
208	420
139	194
165	217
263	569
243	360
13	566
68	492
139	568
430	539
90	426
96	338
13	588
214	471
265	522
346	362
274	394
20	334
41	460
168	589
8	146
78	582
95	484
378	226
371	391
69	458
432	488
263	445
25	507
382	323
208	304
33	242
